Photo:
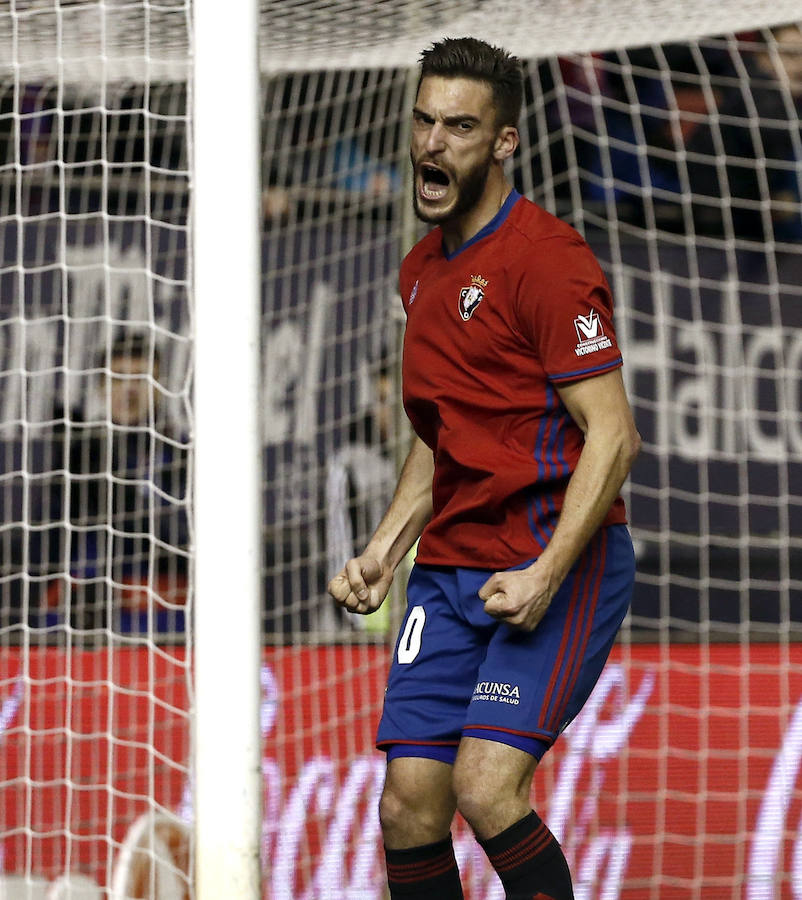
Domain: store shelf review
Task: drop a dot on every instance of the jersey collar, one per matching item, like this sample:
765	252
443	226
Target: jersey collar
493	225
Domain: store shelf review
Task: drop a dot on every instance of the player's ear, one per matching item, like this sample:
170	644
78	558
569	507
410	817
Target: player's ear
506	142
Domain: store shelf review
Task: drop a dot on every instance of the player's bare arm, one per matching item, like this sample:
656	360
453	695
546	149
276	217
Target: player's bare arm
599	406
364	581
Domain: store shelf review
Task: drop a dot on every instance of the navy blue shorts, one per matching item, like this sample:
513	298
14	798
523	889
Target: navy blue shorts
458	672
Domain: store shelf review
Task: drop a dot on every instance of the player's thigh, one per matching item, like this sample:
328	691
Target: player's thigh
488	773
417	803
435	664
532	684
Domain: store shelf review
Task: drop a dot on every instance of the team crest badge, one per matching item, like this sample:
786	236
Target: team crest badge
471	297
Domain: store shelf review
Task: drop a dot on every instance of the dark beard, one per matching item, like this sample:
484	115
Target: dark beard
470	188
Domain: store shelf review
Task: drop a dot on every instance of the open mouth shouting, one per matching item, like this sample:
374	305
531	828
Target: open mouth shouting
433	182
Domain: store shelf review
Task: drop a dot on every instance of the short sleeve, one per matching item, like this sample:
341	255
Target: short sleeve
565	310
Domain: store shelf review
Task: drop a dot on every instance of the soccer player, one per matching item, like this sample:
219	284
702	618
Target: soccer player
524	436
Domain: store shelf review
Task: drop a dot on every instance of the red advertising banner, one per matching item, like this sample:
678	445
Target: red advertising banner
678	780
86	738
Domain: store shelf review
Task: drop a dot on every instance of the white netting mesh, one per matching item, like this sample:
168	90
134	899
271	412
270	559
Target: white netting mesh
669	134
363	33
94	402
80	40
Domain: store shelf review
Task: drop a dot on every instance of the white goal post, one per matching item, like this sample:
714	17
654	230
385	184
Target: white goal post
228	609
202	211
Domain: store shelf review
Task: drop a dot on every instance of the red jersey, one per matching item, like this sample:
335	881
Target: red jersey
491	330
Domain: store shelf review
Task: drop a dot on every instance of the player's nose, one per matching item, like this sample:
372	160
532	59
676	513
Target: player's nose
435	138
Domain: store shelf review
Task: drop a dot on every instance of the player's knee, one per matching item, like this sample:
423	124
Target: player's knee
489	797
410	817
475	801
400	816
392	807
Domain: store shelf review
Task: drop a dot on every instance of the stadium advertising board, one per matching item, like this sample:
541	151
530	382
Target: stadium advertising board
713	355
681	772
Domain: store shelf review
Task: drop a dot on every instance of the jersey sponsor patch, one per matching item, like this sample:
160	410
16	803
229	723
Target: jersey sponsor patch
590	333
471	297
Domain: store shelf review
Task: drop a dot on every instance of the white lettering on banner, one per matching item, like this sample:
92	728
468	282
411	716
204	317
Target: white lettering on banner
11	705
30	351
591	740
269	705
588	738
320	305
271	807
765	344
693	396
291	374
771	825
312	796
321	833
366	776
281	377
719	386
106	285
614	846
479	881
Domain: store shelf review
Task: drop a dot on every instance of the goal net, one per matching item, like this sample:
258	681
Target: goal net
668	134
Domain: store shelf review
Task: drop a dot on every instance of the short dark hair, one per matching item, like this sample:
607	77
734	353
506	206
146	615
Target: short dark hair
468	57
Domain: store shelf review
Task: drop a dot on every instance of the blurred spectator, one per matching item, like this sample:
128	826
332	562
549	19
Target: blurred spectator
117	508
317	143
733	116
608	116
584	77
543	169
757	129
324	507
85	150
355	170
644	89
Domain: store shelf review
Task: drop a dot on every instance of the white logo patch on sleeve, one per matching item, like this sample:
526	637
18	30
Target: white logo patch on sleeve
590	333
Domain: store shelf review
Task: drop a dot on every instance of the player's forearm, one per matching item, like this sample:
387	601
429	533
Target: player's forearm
409	511
603	466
